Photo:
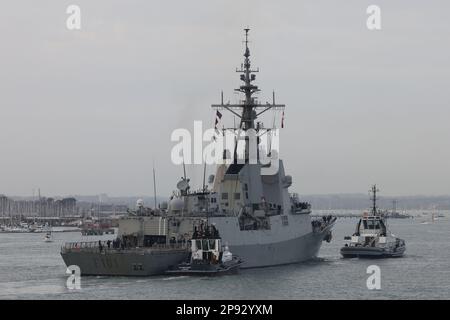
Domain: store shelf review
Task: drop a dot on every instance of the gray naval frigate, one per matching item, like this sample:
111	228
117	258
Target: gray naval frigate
248	203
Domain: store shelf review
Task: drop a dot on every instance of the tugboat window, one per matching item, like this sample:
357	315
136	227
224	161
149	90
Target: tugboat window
371	224
205	245
212	244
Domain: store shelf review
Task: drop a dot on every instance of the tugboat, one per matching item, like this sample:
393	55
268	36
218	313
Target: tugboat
208	257
372	239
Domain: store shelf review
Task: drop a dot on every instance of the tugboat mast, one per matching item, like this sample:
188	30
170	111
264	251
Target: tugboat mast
374	198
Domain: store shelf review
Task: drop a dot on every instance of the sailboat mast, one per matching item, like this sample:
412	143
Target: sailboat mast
154	185
204	177
184	169
39	203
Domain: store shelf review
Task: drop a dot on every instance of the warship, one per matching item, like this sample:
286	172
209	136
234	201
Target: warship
247	200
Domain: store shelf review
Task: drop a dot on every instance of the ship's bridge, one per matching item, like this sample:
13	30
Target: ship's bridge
371	224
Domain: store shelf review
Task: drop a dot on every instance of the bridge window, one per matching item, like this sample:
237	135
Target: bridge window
371	224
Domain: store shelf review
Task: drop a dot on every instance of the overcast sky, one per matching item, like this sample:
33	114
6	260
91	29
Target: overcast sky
88	111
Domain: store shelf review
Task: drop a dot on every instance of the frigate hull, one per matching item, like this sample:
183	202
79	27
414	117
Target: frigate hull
135	263
291	241
290	251
124	263
146	264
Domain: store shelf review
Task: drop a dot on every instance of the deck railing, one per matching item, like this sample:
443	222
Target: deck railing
93	246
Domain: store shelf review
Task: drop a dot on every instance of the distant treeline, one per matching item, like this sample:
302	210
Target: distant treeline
362	201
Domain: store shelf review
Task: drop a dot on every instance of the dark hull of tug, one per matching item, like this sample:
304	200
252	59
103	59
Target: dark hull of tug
206	270
371	252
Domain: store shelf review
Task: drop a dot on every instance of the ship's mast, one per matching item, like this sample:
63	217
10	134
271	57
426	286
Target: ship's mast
248	110
248	89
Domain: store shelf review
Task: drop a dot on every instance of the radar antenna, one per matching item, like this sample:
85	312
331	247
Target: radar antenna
374	199
249	109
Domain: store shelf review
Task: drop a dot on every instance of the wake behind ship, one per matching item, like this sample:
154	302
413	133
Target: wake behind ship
249	204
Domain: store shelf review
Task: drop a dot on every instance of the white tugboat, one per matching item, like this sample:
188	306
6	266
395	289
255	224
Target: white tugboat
372	239
208	256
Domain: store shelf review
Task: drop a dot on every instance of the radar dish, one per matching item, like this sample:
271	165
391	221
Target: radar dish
183	185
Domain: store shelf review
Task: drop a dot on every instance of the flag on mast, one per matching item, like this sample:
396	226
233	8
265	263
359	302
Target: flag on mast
282	121
218	117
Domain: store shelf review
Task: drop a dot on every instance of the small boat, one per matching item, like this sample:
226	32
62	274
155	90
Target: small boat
48	235
208	256
433	219
372	239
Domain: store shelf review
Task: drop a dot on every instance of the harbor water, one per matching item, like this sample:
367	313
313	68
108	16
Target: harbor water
33	269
